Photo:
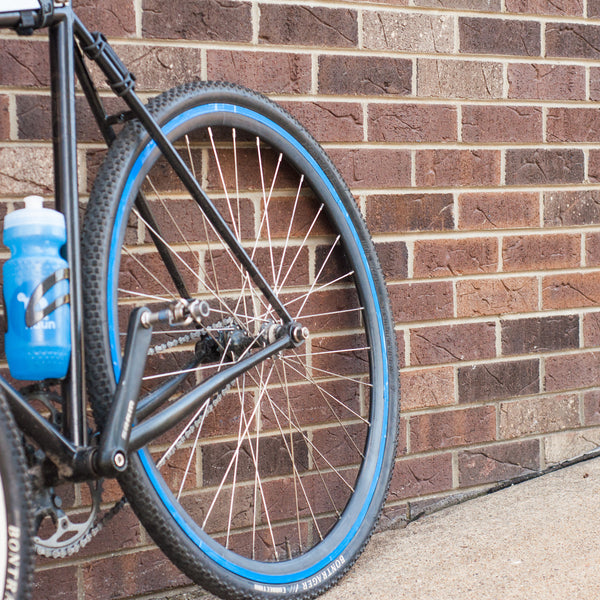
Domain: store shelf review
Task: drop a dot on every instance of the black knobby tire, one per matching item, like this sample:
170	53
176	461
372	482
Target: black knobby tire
16	514
272	488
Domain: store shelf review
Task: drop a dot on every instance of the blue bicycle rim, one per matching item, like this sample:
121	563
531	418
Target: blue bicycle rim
220	556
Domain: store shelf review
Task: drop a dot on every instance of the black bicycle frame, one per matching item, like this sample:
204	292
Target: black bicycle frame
69	450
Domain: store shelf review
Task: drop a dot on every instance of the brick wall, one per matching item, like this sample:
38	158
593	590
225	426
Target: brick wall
468	133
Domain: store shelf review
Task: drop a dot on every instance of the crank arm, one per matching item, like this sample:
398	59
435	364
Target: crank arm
111	457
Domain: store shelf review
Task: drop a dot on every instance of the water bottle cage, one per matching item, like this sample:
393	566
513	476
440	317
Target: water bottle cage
33	315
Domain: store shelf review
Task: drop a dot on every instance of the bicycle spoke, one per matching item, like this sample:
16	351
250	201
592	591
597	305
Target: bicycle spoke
300	249
320	288
289	231
268	466
323	265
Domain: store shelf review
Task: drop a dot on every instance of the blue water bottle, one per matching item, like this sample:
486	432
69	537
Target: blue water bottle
36	293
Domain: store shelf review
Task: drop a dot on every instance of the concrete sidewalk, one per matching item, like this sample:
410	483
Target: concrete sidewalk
536	540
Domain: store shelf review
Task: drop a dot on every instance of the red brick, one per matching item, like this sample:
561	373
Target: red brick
4	119
402	448
532	252
427	388
403	32
131	574
540	334
572	371
329	121
330	304
212	20
3	211
393	257
341	445
456	168
326	491
330	354
93	161
400	343
544	166
497	36
591	408
452	428
158	68
444	258
34	118
421	301
412	123
538	415
288	73
486	5
308	26
572	40
57	583
496	296
364	75
415	477
498	463
340	401
373	167
459	79
196	505
26	170
331	268
253	171
571	208
277	462
573	125
544	7
410	212
594	166
507	124
124	531
148	276
452	343
593	8
594	83
25	62
114	18
546	82
391	2
572	290
591	330
496	381
498	210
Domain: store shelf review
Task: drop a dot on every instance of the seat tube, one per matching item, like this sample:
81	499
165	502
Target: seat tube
61	43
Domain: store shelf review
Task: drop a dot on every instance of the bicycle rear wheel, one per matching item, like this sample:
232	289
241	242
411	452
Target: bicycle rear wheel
16	515
274	485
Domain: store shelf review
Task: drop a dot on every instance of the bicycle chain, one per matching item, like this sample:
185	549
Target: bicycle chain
100	523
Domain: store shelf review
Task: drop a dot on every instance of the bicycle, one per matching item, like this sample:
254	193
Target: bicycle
229	327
